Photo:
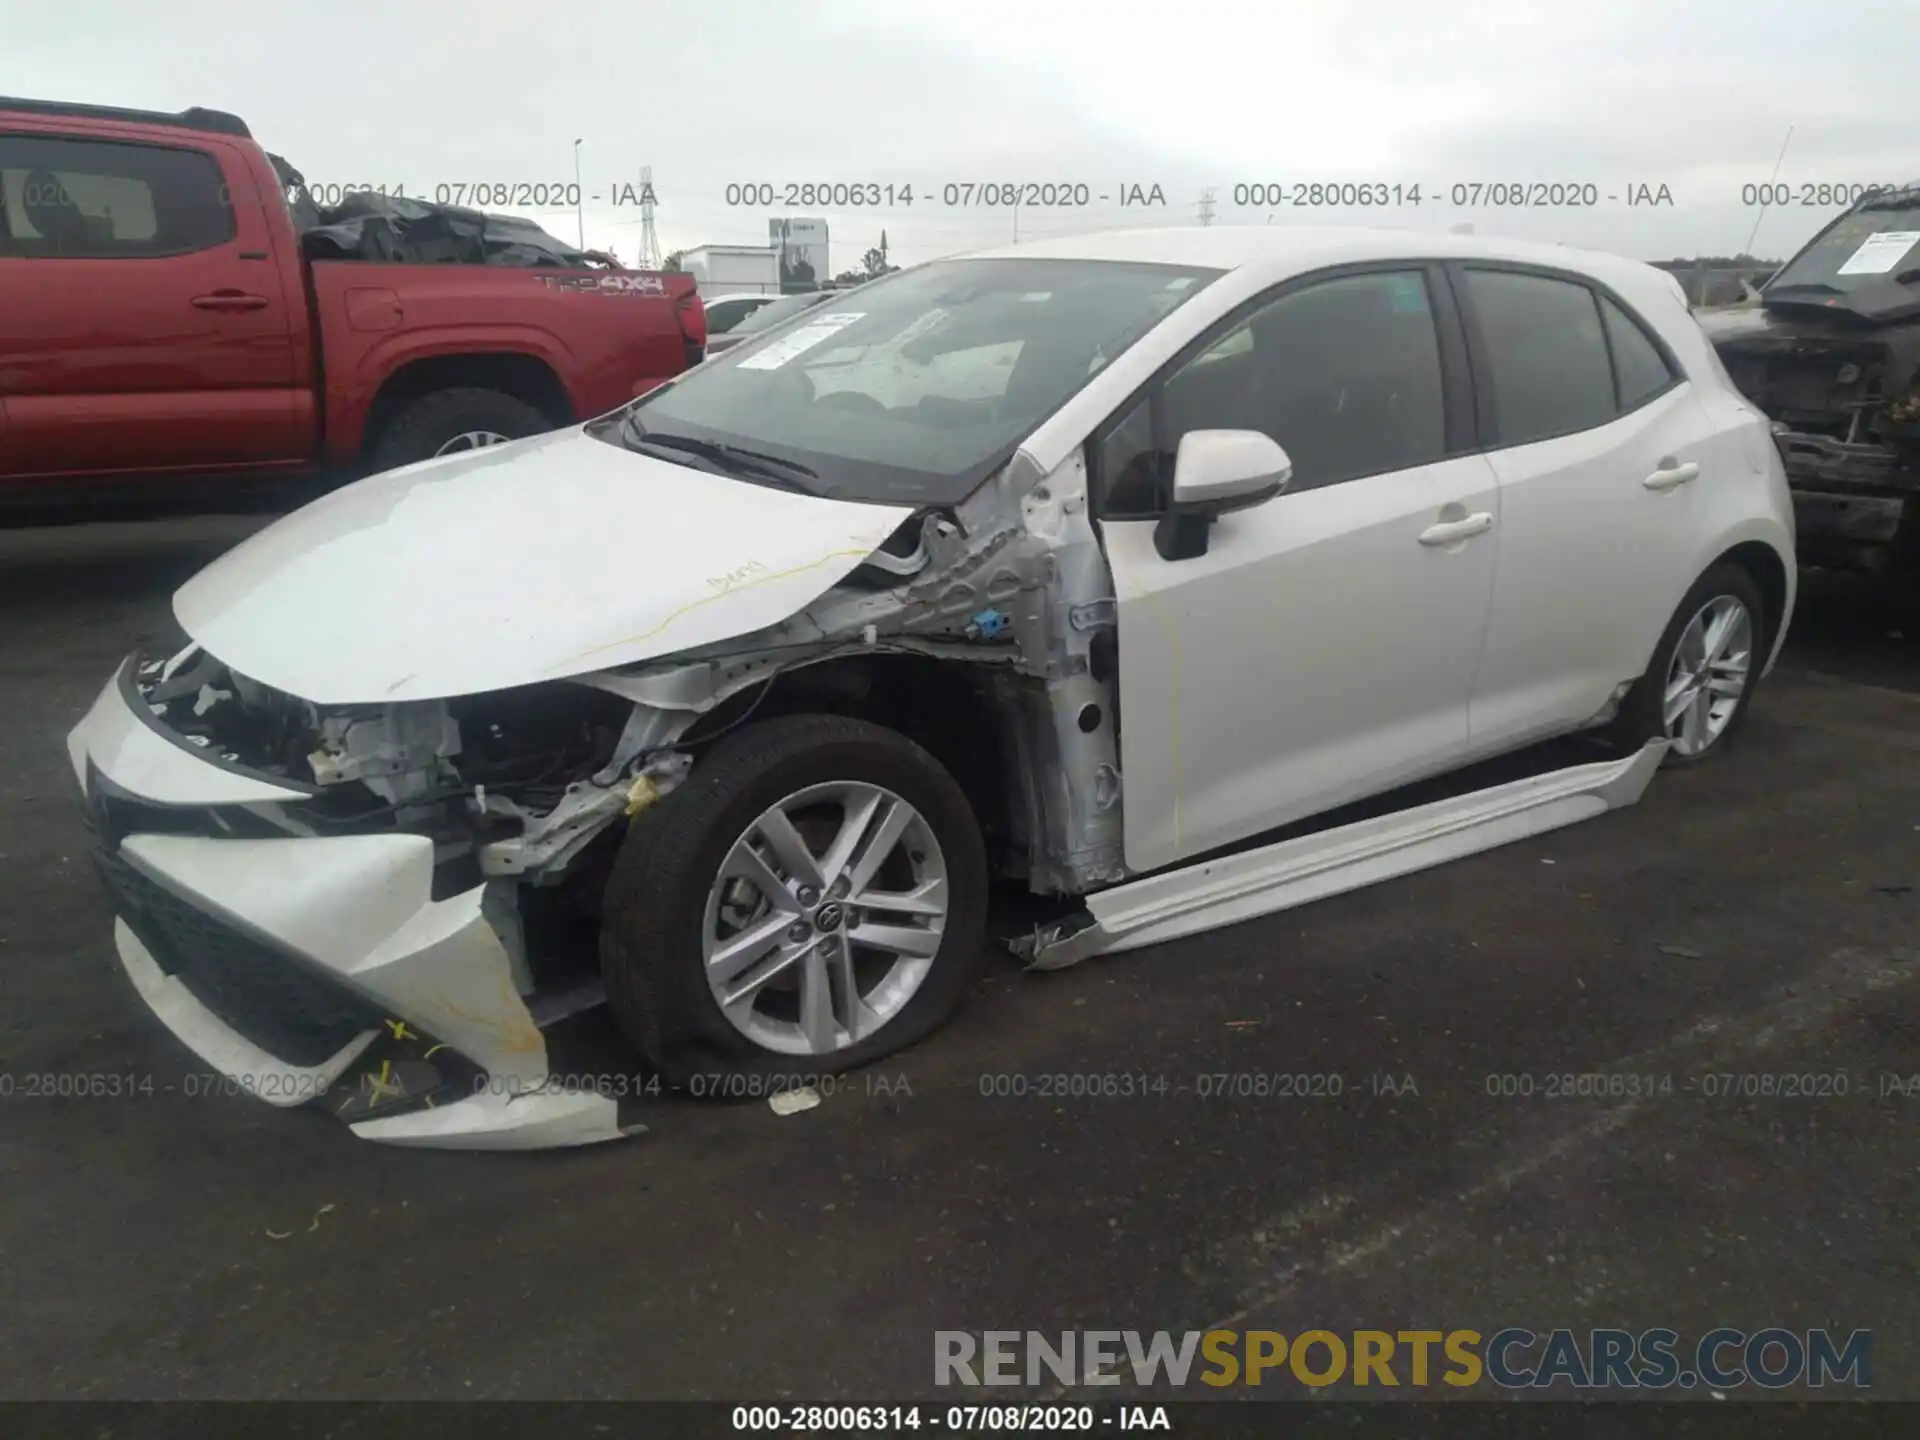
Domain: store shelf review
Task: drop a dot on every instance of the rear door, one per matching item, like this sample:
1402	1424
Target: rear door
143	320
1602	452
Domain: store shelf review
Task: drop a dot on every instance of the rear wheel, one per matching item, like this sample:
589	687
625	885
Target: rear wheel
1906	595
811	899
1695	692
447	422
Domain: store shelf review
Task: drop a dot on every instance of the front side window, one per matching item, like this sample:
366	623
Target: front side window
1344	374
911	389
1546	355
103	200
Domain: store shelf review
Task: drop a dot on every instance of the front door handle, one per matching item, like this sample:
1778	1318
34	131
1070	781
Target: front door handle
1671	476
1448	531
230	300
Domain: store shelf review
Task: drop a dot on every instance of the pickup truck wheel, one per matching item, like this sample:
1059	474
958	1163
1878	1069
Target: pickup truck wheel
1695	693
447	421
1906	601
811	898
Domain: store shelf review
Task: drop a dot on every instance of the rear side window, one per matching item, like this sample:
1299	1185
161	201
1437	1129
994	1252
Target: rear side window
1546	355
1640	369
104	200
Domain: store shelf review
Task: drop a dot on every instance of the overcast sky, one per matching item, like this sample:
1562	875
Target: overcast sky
1186	96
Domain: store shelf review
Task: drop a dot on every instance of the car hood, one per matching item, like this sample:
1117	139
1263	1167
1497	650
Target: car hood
543	559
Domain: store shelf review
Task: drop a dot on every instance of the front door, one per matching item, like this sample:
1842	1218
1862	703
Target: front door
142	321
1324	647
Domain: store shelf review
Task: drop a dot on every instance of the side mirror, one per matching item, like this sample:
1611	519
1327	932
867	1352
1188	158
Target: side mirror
1214	472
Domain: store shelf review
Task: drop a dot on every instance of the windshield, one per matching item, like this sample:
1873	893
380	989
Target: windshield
1859	250
914	388
770	315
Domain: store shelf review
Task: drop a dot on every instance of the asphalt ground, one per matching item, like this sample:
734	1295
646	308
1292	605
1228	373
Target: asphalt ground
1759	917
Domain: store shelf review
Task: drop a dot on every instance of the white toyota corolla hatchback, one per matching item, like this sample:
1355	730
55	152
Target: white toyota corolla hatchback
1086	564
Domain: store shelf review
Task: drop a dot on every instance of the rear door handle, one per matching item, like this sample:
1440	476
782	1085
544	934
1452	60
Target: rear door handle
230	300
1448	531
1671	476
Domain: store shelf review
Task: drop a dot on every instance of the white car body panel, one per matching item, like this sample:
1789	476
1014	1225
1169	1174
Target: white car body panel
492	1120
1318	617
538	560
153	767
1297	872
216	1042
1592	564
1606	605
358	906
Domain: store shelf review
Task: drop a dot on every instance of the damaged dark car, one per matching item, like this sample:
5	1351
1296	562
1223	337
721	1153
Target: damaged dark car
1832	355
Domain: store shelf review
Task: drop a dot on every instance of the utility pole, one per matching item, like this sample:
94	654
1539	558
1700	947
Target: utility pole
579	199
1206	206
649	257
1779	160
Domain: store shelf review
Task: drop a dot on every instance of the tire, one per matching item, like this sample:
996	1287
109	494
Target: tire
1642	716
437	419
1906	596
665	907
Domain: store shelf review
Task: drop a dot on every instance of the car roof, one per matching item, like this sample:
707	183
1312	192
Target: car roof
1293	249
217	122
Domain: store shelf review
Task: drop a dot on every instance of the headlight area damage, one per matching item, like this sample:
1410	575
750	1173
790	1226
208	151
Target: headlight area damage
386	910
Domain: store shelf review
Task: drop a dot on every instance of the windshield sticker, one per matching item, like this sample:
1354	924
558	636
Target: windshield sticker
1880	253
799	342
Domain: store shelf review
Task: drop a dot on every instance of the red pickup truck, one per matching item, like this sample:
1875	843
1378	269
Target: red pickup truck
160	317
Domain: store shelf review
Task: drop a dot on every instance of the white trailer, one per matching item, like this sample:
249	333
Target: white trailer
733	270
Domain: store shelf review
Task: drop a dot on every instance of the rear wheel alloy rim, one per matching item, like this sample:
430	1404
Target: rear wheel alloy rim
471	440
825	918
1708	675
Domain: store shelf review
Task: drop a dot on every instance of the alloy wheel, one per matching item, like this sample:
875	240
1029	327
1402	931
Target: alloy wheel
825	918
1708	675
472	440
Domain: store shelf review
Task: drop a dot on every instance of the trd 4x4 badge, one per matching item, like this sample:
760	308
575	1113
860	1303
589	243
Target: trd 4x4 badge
607	284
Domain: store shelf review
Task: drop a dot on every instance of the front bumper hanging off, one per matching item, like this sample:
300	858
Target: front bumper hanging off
313	970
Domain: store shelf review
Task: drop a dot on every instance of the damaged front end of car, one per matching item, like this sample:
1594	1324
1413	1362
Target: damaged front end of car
306	897
387	911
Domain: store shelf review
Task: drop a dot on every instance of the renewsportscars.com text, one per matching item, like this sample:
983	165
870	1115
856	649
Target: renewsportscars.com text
1514	1359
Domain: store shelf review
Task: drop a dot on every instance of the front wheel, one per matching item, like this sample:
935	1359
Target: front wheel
1695	692
812	898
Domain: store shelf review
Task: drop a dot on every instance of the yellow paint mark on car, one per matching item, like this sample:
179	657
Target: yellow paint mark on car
764	578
